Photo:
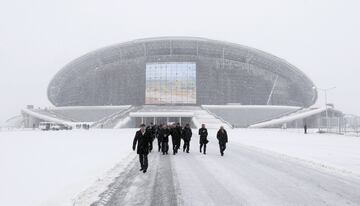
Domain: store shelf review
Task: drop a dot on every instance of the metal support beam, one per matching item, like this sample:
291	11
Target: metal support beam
272	90
223	58
197	48
171	48
145	52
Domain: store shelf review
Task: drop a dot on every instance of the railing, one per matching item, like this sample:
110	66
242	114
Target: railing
340	125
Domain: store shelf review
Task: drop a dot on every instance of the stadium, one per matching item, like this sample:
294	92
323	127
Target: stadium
180	79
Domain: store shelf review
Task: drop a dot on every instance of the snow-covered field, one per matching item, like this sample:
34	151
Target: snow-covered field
338	152
53	168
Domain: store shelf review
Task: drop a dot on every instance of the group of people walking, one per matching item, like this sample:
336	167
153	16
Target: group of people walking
144	138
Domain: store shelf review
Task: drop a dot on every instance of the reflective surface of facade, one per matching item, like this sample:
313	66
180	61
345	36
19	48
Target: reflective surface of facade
170	83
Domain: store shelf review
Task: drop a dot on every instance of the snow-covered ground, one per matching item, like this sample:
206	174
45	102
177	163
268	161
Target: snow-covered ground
259	166
51	168
331	151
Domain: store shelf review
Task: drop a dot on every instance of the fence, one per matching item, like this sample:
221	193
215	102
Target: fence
347	125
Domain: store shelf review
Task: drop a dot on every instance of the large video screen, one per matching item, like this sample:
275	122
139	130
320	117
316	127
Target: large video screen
170	83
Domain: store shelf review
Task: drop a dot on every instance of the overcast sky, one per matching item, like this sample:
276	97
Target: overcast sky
38	37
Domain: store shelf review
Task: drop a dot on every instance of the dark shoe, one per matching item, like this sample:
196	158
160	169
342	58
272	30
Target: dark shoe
144	171
141	169
222	154
187	151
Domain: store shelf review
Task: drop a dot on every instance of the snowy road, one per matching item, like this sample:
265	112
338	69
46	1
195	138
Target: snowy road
247	177
135	188
244	176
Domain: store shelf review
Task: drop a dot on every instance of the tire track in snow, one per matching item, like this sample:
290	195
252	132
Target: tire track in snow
125	178
132	187
199	185
164	190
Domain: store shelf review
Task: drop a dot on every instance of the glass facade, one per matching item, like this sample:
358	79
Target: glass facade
225	73
170	83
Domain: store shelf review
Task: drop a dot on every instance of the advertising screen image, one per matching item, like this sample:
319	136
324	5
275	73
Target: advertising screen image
170	83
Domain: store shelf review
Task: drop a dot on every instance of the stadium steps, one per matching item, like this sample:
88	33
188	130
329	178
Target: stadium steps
59	116
112	120
87	113
45	115
210	120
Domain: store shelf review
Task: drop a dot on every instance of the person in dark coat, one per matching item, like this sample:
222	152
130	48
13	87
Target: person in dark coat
305	128
142	140
176	137
164	136
150	130
223	139
203	137
186	135
158	137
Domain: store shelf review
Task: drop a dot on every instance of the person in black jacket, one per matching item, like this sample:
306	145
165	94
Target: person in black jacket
164	136
305	128
223	139
150	130
142	140
176	137
158	137
203	137
186	135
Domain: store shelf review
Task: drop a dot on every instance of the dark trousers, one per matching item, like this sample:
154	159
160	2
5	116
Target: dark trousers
222	148
186	146
165	147
143	161
175	148
159	144
150	145
201	145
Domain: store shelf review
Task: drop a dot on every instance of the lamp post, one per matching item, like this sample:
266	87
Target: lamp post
326	104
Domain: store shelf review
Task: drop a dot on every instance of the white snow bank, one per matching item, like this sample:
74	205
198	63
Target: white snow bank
331	151
51	168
